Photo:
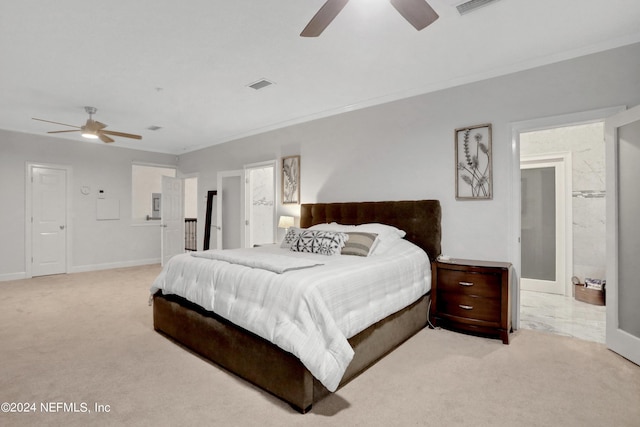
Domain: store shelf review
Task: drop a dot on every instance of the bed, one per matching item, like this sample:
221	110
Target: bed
278	371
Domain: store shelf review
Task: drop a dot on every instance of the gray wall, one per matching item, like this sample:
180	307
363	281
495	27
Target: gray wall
399	150
404	149
95	244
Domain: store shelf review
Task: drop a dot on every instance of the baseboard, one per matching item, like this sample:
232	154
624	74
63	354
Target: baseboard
85	268
12	276
111	265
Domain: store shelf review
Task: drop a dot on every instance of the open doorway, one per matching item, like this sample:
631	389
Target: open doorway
556	308
191	214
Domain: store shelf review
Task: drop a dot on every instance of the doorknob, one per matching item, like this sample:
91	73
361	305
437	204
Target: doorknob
62	227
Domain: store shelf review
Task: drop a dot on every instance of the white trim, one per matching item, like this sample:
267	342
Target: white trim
112	265
28	249
155	165
13	276
514	183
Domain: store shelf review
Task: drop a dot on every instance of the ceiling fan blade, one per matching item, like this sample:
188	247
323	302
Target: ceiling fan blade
121	134
99	125
417	12
57	123
323	18
104	138
63	131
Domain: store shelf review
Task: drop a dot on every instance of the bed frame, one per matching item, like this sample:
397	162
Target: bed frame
277	371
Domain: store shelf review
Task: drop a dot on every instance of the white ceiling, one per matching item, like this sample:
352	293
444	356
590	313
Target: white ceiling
185	65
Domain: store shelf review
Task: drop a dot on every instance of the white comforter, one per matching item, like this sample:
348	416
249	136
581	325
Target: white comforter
309	312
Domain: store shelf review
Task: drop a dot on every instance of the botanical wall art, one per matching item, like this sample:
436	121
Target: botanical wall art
473	162
291	179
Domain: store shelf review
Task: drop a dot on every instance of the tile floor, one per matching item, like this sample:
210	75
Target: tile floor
562	315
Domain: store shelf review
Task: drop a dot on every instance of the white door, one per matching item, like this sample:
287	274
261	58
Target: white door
260	203
622	137
230	210
49	221
172	217
544	215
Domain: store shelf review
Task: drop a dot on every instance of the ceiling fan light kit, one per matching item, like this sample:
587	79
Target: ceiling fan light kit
92	129
417	12
89	134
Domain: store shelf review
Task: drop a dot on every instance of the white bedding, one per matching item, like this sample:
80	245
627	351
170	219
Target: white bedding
276	263
309	312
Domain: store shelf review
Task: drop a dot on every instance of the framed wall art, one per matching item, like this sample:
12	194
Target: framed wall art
291	180
473	163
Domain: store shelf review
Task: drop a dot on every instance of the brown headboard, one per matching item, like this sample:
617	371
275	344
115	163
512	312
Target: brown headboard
420	219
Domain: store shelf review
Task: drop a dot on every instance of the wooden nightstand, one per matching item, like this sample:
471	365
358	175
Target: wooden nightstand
473	296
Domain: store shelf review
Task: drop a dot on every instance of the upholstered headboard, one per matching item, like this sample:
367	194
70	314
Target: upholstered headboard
420	219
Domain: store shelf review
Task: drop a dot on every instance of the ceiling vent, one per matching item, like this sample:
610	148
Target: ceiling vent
471	5
260	84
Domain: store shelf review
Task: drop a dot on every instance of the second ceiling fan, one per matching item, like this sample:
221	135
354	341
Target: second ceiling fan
92	129
417	12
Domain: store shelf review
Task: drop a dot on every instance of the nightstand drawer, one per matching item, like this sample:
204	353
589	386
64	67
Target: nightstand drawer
468	283
469	306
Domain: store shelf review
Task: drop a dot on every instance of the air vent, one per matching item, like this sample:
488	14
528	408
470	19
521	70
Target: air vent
260	84
154	127
471	5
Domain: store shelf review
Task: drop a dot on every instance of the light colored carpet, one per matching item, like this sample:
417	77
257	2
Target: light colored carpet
88	338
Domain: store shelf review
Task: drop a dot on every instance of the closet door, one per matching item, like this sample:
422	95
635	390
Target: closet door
622	136
230	210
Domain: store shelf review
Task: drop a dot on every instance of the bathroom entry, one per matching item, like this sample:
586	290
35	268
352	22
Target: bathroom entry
582	148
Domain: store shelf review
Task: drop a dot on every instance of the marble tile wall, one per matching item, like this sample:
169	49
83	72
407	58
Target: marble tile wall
586	144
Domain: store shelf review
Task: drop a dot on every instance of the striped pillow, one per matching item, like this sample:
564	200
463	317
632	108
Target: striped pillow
359	243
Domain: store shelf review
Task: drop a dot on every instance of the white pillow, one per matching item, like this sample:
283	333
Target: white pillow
334	226
387	234
379	229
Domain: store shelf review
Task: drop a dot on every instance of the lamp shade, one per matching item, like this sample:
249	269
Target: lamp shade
285	222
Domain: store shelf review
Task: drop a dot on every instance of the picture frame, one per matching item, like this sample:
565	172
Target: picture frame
290	178
473	157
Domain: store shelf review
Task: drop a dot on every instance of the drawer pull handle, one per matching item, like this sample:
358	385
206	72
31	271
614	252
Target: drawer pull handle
465	283
465	307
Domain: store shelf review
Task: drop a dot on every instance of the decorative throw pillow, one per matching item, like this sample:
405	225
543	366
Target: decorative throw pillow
319	242
290	237
359	244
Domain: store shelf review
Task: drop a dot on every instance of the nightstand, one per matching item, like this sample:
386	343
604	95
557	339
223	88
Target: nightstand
472	296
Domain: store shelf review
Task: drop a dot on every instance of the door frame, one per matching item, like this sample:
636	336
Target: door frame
28	243
561	162
514	225
618	340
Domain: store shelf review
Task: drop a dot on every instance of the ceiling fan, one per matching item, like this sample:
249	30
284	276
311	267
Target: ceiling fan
417	12
92	129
